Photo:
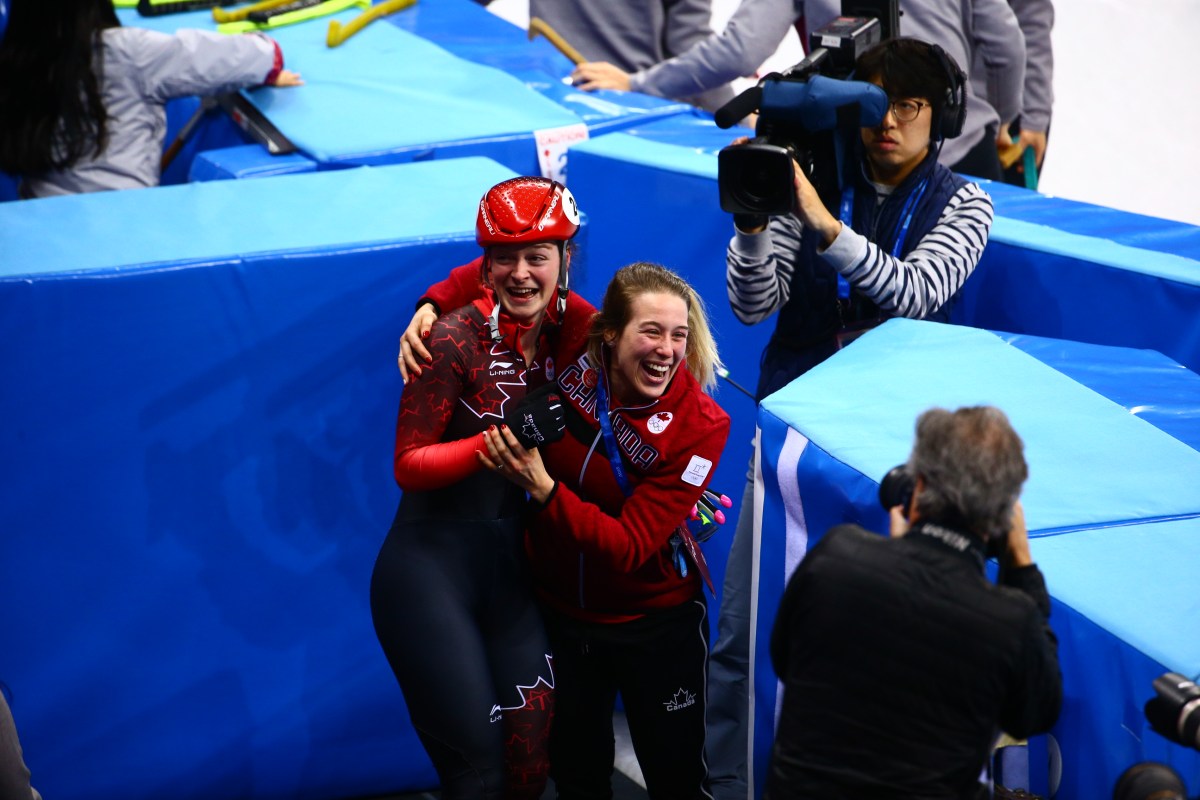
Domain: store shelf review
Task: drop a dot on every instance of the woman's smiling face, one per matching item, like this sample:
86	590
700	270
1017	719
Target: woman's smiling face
525	278
646	354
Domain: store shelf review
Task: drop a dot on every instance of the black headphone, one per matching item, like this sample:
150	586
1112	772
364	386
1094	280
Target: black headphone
954	106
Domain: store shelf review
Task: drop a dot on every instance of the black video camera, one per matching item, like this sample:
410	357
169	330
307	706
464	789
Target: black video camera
801	114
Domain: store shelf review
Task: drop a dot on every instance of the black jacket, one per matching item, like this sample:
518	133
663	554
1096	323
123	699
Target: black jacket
901	662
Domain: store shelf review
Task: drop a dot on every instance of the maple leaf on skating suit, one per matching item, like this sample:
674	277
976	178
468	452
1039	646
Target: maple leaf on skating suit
491	396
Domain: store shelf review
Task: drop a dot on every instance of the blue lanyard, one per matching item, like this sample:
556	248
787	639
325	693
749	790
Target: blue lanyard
610	441
682	539
906	215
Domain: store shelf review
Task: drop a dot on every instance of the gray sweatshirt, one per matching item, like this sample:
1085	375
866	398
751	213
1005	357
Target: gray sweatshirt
142	70
965	29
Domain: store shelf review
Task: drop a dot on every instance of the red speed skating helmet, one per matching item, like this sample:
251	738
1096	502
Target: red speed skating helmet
525	210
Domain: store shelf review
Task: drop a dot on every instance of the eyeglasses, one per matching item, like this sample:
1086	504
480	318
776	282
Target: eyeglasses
906	110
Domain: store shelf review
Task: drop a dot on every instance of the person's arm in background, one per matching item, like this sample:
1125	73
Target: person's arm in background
689	22
1036	19
197	62
1000	46
751	37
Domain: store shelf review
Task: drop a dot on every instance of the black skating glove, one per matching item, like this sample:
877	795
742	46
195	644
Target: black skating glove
539	418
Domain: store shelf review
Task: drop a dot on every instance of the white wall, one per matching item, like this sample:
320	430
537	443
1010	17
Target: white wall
1127	104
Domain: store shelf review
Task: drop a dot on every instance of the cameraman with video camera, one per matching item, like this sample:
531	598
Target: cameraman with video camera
906	235
900	660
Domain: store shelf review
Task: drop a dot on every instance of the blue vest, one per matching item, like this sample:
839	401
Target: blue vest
812	317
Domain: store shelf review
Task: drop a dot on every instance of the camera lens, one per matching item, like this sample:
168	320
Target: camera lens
896	488
755	178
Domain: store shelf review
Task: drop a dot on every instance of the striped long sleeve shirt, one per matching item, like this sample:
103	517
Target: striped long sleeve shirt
760	267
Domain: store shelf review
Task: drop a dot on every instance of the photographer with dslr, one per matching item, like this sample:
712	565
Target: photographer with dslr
910	232
900	660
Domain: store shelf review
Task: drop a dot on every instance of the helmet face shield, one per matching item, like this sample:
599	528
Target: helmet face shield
526	210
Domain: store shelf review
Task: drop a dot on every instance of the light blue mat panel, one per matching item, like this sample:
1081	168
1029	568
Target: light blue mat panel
1145	382
388	96
210	222
199	405
1111	505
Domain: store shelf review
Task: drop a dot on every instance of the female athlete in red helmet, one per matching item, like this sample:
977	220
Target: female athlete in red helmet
615	568
450	596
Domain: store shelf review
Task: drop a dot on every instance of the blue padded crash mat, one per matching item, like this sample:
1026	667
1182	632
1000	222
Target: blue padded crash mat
1091	462
218	220
1086	219
663	156
383	90
1151	568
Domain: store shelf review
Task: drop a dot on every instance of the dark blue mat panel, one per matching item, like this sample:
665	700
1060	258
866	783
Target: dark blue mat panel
1038	280
200	477
246	161
1113	521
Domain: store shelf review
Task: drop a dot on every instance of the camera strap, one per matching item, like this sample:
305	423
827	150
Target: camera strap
846	215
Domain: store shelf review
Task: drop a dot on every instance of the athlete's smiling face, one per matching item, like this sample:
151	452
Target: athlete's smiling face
646	354
525	278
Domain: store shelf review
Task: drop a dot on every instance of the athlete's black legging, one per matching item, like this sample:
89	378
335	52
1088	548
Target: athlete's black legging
454	611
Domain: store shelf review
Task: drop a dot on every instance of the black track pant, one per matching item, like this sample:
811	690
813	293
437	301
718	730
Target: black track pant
658	665
454	611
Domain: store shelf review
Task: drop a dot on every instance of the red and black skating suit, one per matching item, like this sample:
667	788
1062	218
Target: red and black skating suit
450	596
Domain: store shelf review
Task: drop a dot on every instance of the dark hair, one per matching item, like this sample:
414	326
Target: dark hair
642	277
973	466
50	79
907	67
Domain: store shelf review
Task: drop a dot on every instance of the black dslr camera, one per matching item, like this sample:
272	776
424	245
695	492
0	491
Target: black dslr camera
1174	711
801	112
